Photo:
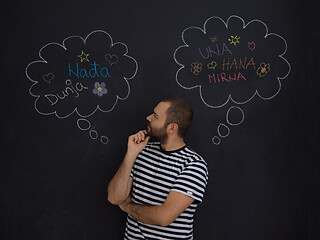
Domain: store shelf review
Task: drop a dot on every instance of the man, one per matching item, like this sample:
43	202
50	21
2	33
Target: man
160	184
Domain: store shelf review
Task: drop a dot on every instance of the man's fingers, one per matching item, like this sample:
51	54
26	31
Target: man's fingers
139	137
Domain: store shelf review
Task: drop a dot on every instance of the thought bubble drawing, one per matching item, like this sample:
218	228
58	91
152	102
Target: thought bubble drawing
239	61
81	75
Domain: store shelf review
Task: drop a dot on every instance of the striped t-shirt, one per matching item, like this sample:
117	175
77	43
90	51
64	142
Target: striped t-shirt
157	172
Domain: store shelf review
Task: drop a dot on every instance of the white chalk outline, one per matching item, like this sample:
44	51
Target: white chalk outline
216	143
85	120
103	141
95	132
229	97
76	109
227	118
218	130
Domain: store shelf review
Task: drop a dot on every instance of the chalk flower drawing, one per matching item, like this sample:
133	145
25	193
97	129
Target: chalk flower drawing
263	70
196	68
234	59
70	94
100	89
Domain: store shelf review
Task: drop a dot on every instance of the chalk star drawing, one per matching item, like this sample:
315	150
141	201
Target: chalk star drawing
84	57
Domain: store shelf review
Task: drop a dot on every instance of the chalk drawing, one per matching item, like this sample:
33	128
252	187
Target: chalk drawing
85	125
231	121
243	64
78	77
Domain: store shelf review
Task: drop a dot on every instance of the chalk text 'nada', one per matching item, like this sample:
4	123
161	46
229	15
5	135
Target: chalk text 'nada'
95	71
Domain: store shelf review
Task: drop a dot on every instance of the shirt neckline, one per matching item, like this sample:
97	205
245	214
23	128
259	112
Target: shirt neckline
173	151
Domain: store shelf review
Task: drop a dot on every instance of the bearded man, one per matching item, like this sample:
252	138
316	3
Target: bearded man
160	184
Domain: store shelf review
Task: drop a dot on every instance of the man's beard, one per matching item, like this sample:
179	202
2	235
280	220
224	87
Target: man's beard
160	134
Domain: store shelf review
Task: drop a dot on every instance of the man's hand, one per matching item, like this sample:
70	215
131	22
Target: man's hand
137	142
120	185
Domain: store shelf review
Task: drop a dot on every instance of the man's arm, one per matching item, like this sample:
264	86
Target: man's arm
161	215
120	185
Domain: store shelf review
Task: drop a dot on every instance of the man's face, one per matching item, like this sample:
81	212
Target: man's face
157	120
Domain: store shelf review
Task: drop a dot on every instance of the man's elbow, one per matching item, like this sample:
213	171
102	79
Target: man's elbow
115	201
165	220
165	223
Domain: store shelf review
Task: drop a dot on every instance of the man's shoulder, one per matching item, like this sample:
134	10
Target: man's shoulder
195	168
194	156
191	158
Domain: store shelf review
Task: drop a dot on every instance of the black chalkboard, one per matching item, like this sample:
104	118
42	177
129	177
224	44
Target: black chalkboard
81	76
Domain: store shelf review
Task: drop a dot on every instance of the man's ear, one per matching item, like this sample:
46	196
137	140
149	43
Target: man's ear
172	128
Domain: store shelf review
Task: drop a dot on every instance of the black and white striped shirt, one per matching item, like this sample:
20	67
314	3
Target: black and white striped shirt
157	172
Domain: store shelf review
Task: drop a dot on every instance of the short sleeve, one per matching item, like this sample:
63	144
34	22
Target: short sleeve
193	180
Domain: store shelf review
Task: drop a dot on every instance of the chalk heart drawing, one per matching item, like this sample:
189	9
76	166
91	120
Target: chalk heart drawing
111	58
212	65
232	76
251	45
48	77
74	81
77	82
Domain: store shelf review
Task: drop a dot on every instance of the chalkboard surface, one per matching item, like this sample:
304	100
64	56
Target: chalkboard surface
81	76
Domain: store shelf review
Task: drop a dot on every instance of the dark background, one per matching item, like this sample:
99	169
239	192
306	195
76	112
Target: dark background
264	177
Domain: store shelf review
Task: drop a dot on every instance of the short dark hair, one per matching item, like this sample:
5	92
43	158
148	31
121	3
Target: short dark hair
181	113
